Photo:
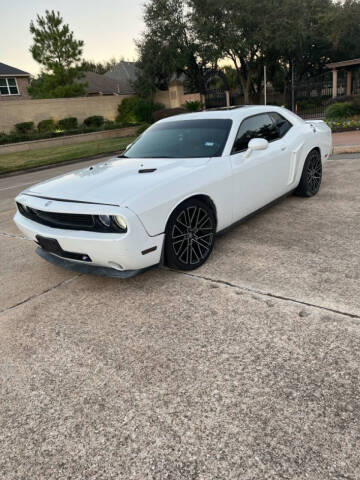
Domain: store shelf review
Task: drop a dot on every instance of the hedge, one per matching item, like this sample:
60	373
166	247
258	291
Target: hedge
46	125
94	121
68	123
24	127
15	137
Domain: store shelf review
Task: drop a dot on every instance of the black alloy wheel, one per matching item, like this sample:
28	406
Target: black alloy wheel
312	175
190	235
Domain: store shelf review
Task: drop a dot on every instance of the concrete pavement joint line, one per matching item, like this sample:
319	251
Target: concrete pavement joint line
271	295
64	282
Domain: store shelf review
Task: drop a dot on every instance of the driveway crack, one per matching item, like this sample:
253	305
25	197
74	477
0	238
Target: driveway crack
272	295
37	295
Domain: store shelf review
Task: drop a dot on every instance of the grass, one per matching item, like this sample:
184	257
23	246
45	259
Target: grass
12	162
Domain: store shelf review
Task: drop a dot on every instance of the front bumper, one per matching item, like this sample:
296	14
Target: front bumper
129	252
87	268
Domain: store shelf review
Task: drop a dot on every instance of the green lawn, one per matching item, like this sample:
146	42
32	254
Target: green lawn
12	162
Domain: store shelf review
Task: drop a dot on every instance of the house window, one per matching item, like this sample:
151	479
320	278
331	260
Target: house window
8	86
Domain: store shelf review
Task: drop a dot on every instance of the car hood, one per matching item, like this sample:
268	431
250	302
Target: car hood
116	181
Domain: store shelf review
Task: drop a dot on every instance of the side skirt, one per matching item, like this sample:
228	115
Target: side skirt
253	214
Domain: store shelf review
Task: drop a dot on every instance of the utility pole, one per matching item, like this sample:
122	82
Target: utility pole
265	87
293	85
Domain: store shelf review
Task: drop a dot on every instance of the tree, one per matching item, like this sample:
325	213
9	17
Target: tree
233	29
343	30
192	35
168	47
59	53
99	67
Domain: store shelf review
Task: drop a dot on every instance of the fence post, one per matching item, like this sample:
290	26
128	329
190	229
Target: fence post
293	85
335	81
265	87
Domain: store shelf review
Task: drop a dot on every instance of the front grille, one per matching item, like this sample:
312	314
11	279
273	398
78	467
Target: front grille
68	221
64	219
58	220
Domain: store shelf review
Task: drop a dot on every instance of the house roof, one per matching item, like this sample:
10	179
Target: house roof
101	84
6	70
125	74
345	63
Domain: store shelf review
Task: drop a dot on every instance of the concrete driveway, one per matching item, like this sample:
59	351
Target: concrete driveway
248	368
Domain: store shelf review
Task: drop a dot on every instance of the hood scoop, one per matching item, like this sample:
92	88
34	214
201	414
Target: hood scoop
147	170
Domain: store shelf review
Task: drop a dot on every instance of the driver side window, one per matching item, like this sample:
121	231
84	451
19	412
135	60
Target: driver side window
258	126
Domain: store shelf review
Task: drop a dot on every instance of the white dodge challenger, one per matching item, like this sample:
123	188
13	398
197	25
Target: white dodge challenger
182	181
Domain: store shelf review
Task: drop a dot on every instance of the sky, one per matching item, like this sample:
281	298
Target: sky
108	28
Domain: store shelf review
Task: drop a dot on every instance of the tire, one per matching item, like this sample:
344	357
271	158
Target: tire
190	235
311	176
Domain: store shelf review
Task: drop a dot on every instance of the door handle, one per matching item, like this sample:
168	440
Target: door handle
283	149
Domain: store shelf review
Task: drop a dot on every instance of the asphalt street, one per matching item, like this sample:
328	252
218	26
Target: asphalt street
247	368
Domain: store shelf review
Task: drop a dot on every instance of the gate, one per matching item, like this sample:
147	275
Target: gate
215	98
314	96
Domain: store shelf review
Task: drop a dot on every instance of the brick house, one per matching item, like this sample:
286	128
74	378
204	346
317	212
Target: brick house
13	83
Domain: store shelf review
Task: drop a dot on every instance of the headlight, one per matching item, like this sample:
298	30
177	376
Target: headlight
105	220
120	222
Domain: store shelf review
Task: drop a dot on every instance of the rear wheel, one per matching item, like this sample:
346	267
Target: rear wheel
311	176
190	235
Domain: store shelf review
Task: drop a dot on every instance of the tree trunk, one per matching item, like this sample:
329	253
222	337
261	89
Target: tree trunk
247	90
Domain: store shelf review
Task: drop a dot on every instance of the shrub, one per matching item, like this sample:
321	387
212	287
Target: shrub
46	126
3	138
356	103
168	112
341	110
126	110
94	121
144	110
193	105
308	103
142	128
69	123
137	110
340	99
24	127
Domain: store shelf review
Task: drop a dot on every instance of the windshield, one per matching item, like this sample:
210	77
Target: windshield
182	139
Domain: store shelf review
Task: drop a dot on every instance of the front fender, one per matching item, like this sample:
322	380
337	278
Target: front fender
154	208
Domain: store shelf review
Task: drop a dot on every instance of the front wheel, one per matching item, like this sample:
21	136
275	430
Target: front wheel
190	235
311	176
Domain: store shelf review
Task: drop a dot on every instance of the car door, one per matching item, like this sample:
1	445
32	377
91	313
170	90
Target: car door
262	176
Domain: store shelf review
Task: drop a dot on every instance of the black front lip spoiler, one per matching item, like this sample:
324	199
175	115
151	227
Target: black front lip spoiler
89	269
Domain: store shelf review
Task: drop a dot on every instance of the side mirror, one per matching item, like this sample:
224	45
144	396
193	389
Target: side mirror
256	144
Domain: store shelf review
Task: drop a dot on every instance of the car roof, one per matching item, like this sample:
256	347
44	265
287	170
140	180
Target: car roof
237	112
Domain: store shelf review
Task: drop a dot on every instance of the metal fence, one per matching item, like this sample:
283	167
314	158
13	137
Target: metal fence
312	97
215	98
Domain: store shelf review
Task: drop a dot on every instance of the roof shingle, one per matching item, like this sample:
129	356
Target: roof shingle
100	84
125	74
8	70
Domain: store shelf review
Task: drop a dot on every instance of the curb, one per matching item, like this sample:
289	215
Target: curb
338	149
60	164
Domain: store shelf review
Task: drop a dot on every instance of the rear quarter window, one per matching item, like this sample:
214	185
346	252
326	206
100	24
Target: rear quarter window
282	124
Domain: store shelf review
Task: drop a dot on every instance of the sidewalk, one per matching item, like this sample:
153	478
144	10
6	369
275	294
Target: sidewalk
346	142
